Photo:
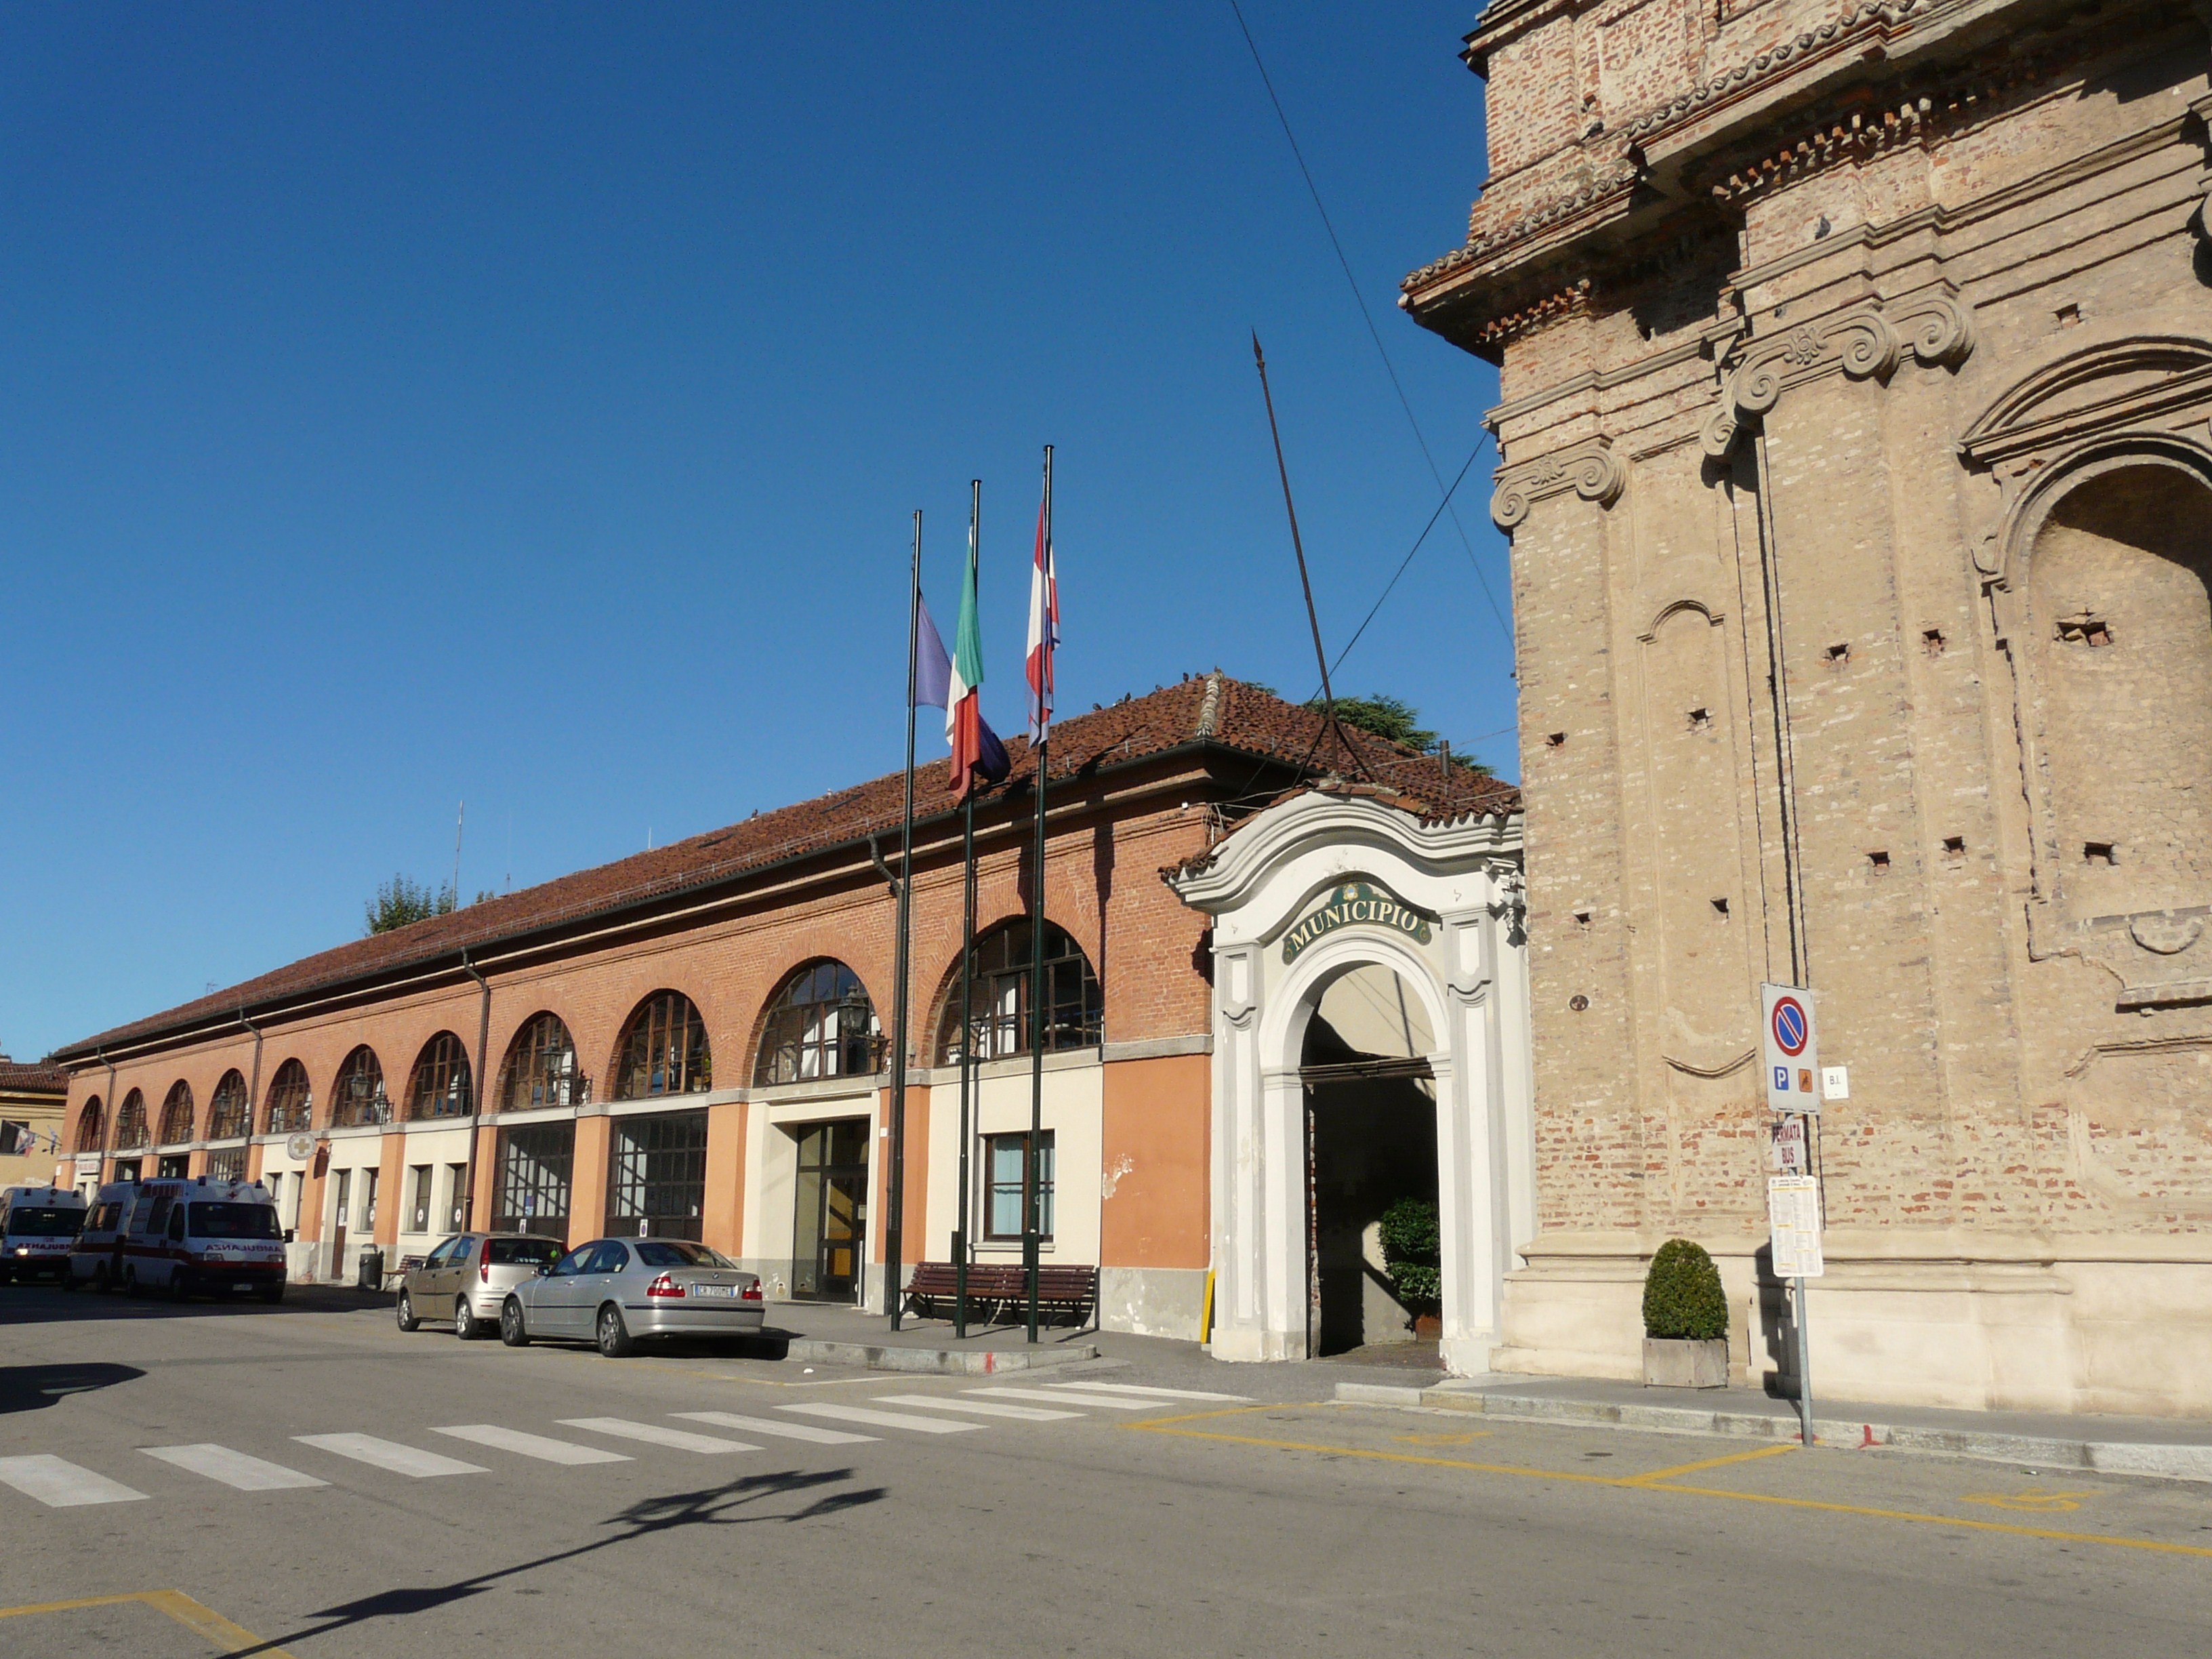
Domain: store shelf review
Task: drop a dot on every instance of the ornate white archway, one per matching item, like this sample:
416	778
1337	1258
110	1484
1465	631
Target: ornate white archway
1464	964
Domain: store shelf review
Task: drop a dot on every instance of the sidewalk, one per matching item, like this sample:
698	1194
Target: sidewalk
832	1333
2174	1448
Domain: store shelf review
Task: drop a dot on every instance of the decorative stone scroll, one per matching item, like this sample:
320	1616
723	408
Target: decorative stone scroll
1867	343
1589	469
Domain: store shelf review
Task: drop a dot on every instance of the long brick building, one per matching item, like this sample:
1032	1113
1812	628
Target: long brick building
1855	360
694	1041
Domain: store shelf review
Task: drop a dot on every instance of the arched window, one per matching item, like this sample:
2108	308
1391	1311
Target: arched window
439	1087
541	1068
227	1108
998	997
821	1024
177	1113
130	1123
291	1102
664	1051
89	1122
358	1095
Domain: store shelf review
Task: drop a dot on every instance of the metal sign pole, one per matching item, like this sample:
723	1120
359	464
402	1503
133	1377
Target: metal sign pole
1793	1087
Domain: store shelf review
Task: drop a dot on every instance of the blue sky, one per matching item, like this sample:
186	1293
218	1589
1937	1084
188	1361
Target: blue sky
413	405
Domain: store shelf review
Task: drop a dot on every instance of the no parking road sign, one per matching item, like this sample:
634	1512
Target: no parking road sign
1792	1049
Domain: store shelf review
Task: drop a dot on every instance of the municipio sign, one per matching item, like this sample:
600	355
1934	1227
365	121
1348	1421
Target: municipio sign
1791	1049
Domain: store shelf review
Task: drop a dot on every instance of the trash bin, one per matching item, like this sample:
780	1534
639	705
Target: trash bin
368	1275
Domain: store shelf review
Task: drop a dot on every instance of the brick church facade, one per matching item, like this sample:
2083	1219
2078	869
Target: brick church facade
1856	367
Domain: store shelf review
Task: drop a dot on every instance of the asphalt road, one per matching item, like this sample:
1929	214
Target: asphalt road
1154	1525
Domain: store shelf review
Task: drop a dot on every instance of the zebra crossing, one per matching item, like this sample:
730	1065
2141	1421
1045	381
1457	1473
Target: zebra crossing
57	1483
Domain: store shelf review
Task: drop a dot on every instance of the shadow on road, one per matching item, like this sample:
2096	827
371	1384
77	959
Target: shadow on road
27	1388
738	1503
25	1304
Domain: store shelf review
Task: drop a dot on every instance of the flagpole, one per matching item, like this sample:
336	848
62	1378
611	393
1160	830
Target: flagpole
960	1244
1030	1216
895	1212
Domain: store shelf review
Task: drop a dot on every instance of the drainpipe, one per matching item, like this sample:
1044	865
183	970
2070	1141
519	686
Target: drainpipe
106	1120
252	1089
475	1092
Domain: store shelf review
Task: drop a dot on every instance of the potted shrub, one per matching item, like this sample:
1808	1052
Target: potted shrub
1412	1248
1686	1320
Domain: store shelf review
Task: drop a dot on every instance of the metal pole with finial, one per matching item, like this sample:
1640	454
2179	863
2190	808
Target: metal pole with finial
1329	722
895	1208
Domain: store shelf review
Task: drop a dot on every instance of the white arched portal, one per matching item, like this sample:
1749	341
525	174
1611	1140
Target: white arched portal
1449	932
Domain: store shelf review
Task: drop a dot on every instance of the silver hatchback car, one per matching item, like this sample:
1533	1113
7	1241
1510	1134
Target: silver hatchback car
616	1291
466	1278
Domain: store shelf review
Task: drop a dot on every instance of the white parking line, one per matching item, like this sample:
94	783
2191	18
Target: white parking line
883	1420
232	1469
978	1407
1161	1393
782	1430
654	1435
530	1445
1103	1401
389	1455
60	1485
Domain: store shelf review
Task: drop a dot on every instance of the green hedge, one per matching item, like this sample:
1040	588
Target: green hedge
1682	1294
1412	1247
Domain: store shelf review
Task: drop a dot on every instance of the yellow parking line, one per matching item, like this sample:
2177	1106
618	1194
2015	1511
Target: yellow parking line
195	1616
1709	1464
1657	1481
2116	1541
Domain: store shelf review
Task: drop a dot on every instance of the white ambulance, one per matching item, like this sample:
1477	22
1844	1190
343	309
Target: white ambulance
218	1237
37	1225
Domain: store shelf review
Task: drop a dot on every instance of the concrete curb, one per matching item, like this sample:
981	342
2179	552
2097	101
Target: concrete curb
944	1361
2172	1462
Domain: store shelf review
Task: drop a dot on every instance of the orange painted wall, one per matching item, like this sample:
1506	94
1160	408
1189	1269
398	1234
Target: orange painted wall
1157	1121
487	1175
391	1178
723	1221
587	1193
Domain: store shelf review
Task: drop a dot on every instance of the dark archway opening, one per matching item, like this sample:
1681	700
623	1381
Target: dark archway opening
1370	1161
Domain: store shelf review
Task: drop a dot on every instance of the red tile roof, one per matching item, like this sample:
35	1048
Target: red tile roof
21	1077
1211	710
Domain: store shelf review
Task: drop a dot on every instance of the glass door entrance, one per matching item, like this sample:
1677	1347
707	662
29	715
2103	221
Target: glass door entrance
830	1217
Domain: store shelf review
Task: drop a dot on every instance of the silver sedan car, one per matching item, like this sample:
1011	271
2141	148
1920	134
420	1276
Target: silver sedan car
615	1292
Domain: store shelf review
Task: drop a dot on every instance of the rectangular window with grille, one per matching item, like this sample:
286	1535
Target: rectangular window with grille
531	1192
418	1199
1002	1164
656	1176
457	1189
228	1164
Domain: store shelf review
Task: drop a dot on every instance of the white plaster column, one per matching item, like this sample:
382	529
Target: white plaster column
1469	1145
1235	1178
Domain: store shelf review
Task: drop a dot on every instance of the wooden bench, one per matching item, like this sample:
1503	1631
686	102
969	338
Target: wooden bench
1067	1291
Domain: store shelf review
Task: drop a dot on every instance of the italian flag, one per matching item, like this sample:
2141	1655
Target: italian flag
978	757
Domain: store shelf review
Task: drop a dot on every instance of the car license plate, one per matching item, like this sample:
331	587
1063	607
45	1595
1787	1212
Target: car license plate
242	1285
715	1290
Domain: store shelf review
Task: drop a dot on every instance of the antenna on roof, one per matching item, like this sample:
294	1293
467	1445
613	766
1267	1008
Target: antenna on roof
1329	722
460	816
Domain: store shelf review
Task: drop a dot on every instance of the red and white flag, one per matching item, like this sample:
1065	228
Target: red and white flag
1044	628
